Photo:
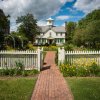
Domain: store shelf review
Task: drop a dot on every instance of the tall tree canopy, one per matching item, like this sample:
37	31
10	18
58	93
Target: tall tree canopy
3	21
70	28
3	27
28	26
88	30
94	15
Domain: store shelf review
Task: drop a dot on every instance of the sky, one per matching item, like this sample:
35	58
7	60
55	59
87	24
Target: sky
60	10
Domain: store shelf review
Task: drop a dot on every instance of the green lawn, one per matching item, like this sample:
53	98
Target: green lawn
87	88
16	88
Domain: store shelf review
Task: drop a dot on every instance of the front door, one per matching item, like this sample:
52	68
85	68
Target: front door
50	41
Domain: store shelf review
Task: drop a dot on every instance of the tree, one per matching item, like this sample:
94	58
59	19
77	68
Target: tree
70	28
28	26
94	15
3	27
93	33
88	31
78	37
89	36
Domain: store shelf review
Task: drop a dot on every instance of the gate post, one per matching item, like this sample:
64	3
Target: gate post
39	58
61	55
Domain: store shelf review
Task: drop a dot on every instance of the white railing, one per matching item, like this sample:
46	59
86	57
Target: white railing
70	56
29	58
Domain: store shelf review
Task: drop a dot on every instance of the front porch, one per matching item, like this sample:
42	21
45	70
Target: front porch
50	41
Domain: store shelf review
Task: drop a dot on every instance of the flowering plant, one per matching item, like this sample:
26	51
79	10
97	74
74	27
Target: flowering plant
81	67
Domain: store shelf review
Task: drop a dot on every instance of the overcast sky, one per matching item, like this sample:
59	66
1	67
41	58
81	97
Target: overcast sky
60	10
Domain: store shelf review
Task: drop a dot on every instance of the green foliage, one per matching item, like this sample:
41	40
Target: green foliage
70	28
3	28
19	65
30	46
18	70
93	16
69	47
7	47
50	48
90	36
28	26
68	70
30	72
80	67
6	72
88	31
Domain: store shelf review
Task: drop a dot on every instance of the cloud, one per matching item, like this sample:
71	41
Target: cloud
63	1
39	8
63	24
41	23
64	17
87	5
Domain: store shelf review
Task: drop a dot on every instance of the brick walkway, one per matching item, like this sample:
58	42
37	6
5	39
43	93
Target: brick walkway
51	84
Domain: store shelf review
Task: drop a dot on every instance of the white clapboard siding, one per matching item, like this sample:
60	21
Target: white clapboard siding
30	59
70	56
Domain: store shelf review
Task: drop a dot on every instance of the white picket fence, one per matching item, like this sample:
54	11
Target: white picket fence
71	56
29	58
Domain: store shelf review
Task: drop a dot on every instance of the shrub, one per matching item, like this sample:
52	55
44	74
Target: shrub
31	47
81	67
15	72
51	48
19	65
18	70
69	47
68	70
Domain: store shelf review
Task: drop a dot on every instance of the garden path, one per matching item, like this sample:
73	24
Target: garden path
50	84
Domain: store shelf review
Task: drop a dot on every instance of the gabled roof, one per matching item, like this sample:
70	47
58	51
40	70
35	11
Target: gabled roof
44	28
54	28
59	29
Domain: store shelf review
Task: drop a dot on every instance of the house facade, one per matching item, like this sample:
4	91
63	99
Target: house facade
51	34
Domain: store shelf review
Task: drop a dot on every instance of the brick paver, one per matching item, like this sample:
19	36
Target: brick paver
50	84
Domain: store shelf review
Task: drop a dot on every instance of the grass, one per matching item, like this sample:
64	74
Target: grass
85	88
16	88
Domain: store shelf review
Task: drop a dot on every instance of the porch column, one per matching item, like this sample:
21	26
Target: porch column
36	41
64	40
41	40
46	41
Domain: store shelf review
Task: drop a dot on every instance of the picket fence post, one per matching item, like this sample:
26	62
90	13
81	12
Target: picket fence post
39	58
61	55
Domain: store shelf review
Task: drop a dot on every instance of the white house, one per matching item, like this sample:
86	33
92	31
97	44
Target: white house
51	34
